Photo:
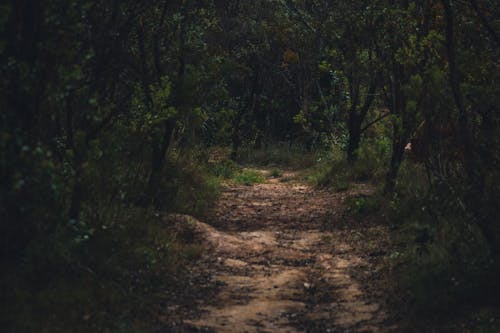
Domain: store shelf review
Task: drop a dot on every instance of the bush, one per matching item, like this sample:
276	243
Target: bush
109	267
372	162
98	275
445	262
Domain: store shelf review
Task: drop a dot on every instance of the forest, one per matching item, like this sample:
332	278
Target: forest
250	166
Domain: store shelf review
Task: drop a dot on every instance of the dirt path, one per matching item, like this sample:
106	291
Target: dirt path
280	265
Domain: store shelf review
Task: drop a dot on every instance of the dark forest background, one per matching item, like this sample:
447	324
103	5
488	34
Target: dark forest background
111	112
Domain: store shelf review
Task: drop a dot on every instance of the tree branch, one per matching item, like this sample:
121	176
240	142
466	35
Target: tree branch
388	113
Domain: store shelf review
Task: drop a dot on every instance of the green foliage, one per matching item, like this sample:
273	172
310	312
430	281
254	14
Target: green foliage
444	262
248	177
223	169
276	173
329	170
333	170
189	189
363	205
102	280
445	258
278	155
373	157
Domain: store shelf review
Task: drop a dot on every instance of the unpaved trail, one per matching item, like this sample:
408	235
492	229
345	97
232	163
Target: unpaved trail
280	265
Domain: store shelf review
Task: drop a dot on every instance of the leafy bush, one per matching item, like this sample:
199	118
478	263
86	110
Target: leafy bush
98	275
445	261
106	269
373	156
188	187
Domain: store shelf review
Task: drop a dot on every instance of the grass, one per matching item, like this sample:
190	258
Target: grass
276	173
248	177
333	171
279	154
224	169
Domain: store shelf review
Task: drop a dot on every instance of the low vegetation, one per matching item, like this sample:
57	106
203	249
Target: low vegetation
248	177
276	173
278	154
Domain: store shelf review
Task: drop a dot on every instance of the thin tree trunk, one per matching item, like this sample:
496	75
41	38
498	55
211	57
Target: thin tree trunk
396	160
354	127
356	118
159	150
400	133
236	139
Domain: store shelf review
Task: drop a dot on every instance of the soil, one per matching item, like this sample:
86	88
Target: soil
282	257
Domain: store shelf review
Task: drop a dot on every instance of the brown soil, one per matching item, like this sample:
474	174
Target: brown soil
281	259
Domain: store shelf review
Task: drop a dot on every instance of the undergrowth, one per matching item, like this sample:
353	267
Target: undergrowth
110	270
106	276
445	262
248	177
332	169
276	173
442	260
278	154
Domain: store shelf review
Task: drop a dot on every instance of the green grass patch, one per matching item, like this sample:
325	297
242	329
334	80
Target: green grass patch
224	169
276	173
282	155
248	177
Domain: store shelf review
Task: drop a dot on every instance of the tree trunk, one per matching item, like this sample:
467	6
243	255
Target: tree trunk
76	197
356	118
249	107
158	157
159	151
396	159
235	138
401	130
354	127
